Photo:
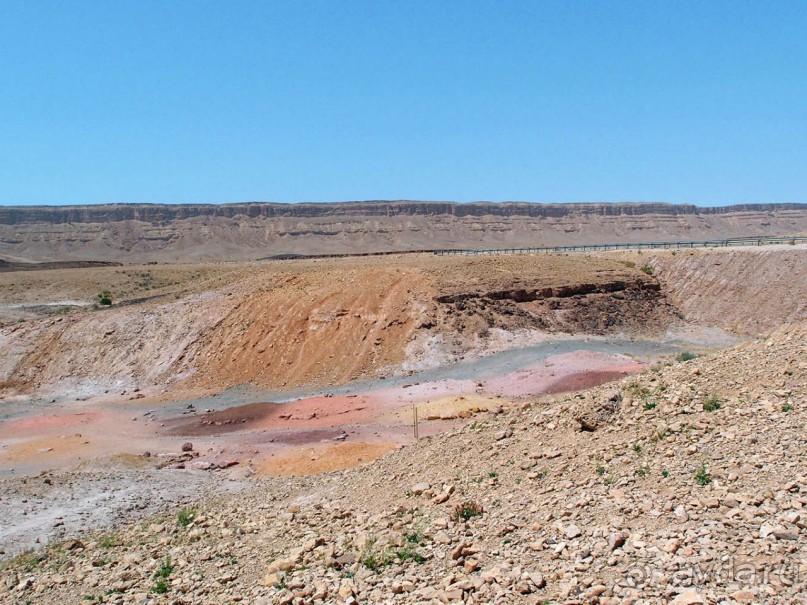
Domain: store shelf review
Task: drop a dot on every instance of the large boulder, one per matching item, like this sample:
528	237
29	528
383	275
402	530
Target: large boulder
593	415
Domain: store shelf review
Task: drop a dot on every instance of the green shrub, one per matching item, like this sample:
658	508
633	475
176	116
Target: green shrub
685	356
646	269
105	298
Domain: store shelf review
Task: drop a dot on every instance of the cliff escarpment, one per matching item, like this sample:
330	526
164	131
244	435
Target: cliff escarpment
161	232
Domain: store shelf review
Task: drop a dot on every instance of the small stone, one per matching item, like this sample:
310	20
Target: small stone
537	578
419	488
745	596
616	540
471	565
503	434
688	597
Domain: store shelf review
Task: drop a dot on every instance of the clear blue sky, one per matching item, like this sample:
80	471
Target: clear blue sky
110	101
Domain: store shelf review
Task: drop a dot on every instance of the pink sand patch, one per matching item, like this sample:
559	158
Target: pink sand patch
14	427
544	377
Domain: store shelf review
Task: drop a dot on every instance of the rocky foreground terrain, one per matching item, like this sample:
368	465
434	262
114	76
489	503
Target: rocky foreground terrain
686	484
188	232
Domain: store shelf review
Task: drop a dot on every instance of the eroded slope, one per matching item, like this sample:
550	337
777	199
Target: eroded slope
285	324
747	291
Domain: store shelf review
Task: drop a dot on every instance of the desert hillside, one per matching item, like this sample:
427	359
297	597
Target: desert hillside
286	324
155	232
683	485
589	431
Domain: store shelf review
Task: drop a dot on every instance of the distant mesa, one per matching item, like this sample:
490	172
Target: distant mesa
263	230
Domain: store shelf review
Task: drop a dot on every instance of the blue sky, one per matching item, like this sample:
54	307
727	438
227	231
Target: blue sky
679	101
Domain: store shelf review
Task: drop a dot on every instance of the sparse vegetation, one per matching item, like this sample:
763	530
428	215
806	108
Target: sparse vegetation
408	552
26	561
105	298
638	390
109	540
467	510
787	407
414	537
711	403
165	569
371	560
646	269
659	434
685	356
649	405
375	560
161	577
702	475
186	516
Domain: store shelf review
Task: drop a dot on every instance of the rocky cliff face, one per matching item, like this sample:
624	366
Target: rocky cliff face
140	232
159	213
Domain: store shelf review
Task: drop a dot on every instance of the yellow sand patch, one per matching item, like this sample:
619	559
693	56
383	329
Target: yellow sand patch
445	407
49	448
310	460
